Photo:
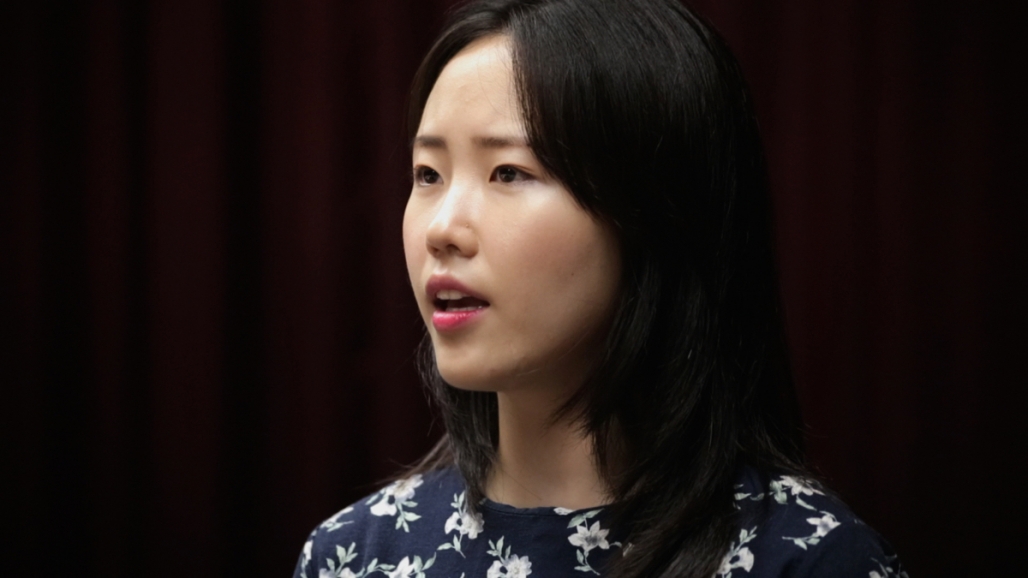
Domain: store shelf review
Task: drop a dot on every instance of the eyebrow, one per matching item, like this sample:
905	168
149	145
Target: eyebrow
429	142
486	142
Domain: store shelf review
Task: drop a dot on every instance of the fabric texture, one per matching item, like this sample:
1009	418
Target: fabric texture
421	527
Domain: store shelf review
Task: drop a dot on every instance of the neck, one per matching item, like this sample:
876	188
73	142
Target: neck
539	463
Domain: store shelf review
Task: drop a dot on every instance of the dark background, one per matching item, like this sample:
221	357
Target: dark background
206	328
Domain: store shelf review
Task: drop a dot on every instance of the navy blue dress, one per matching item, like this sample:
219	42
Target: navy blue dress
421	527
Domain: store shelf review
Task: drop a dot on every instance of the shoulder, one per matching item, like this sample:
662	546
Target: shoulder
381	530
793	526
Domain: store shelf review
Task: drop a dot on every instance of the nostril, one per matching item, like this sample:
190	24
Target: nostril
445	250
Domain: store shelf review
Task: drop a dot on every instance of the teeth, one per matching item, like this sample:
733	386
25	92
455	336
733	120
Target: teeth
450	294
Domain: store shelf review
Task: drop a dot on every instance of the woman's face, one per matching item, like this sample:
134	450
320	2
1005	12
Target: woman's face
514	280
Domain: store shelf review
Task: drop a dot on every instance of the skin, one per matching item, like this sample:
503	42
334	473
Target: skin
484	211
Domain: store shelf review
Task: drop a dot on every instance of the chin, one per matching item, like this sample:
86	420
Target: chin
461	364
465	378
472	371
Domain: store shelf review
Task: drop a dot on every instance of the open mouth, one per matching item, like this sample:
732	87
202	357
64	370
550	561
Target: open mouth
452	303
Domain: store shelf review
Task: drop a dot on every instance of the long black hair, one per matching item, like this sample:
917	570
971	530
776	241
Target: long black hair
641	111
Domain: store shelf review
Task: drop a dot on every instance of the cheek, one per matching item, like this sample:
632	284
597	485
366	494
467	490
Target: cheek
414	249
566	267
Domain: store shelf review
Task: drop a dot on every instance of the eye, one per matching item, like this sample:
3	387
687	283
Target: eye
426	176
509	174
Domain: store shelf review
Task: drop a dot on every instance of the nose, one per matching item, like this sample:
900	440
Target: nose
452	231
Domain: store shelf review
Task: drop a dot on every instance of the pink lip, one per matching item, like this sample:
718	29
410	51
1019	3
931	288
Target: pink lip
449	320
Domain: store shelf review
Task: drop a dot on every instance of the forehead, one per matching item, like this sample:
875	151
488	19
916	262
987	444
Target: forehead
475	90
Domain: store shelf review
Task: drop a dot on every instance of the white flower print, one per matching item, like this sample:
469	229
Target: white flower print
507	566
587	538
518	567
333	523
740	496
889	569
822	526
340	573
394	498
389	553
791	485
463	522
405	488
384	508
738	556
343	557
404	569
515	567
466	524
799	486
407	568
308	547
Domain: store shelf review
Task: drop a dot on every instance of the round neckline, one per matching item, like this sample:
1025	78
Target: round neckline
538	510
502	508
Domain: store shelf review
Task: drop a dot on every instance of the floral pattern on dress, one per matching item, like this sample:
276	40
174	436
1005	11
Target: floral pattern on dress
411	567
394	499
402	530
586	538
738	556
888	568
463	522
333	523
406	568
307	552
822	526
507	565
797	487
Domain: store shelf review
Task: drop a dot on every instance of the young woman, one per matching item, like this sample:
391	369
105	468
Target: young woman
588	239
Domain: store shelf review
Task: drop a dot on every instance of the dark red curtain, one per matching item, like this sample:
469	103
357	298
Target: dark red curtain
207	334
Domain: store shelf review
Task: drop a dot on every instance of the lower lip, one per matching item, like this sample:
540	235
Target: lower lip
447	320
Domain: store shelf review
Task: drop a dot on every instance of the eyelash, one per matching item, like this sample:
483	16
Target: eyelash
520	173
422	172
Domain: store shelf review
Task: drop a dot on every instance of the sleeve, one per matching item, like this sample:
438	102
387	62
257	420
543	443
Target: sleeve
851	551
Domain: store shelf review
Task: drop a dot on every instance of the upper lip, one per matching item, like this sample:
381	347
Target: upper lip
437	283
